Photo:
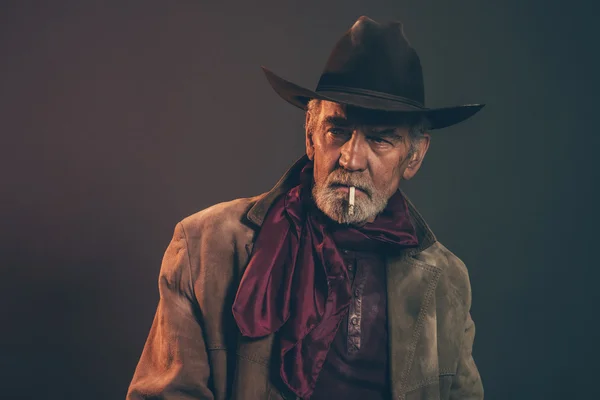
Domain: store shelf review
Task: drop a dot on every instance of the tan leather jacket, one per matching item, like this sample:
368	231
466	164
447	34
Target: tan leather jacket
194	349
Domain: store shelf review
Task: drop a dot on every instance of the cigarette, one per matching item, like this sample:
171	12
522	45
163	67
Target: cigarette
351	200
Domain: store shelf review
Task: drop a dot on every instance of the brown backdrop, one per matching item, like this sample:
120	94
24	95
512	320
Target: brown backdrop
119	118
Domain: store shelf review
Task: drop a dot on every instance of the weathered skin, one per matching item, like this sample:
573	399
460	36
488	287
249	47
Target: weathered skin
349	144
194	349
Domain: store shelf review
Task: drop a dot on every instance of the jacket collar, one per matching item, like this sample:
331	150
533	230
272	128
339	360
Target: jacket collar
258	211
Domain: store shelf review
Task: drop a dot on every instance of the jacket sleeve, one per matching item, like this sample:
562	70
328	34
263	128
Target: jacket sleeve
174	362
467	383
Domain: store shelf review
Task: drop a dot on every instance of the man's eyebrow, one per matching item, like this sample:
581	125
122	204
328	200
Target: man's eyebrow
387	132
336	121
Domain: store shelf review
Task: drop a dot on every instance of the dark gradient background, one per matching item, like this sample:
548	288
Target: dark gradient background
119	118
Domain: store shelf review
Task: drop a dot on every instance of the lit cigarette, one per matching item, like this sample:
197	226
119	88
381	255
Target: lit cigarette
351	200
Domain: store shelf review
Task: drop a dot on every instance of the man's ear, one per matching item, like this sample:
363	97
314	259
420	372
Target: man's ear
310	146
415	161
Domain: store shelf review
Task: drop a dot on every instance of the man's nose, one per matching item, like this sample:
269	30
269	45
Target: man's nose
353	155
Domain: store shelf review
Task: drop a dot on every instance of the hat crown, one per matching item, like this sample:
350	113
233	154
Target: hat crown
376	59
374	67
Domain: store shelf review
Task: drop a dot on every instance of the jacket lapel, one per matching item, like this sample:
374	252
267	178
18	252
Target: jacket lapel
257	213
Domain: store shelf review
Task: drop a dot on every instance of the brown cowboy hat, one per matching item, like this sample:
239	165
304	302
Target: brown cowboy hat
373	66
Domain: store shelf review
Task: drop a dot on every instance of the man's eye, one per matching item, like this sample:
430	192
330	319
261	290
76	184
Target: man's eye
379	140
339	133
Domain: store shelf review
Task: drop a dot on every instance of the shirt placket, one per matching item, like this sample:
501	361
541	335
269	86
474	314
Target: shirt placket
355	309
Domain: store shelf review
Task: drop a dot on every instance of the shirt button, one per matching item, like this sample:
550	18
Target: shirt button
350	267
354	321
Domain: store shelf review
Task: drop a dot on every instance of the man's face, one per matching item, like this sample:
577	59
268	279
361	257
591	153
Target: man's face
355	147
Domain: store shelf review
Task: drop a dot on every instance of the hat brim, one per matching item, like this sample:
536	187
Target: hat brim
437	117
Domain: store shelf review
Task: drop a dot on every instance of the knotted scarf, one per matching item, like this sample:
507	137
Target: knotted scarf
296	283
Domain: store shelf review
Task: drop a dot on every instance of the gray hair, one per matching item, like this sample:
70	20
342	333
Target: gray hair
312	109
416	128
416	132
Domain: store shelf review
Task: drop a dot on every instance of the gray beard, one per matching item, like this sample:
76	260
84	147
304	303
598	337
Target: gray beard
335	204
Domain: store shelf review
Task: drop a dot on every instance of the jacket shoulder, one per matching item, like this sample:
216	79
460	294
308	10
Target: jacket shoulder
218	235
219	219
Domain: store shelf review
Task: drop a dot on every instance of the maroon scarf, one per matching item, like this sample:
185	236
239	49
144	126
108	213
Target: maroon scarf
296	282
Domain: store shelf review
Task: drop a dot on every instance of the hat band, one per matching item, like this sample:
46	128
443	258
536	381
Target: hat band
370	93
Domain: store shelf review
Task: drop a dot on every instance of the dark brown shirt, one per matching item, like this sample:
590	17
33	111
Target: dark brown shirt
356	366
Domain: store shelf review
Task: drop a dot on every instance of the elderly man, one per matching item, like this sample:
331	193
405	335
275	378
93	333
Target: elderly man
331	285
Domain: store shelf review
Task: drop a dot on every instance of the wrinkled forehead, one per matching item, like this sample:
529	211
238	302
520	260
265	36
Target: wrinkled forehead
363	116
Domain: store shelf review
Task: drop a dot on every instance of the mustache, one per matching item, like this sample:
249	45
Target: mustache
342	178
